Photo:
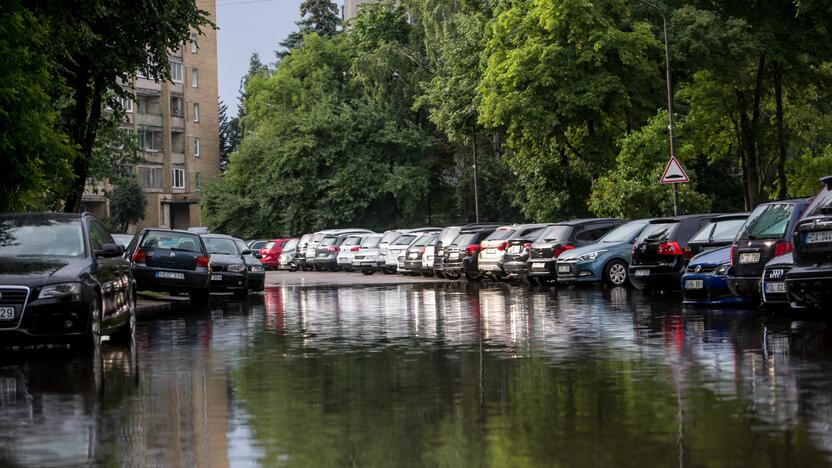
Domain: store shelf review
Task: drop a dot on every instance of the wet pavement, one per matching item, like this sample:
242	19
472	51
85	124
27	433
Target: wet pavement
443	374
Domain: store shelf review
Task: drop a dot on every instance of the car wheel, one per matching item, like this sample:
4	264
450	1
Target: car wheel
93	337
615	273
367	272
473	276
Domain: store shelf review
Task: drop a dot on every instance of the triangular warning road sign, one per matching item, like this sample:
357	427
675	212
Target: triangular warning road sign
673	172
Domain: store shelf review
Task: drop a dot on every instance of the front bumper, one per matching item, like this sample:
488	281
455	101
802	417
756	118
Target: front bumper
542	268
714	290
748	286
657	277
146	280
574	272
44	321
225	281
810	286
464	265
256	281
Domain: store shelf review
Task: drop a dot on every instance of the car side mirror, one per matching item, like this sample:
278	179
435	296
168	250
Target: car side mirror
246	252
109	251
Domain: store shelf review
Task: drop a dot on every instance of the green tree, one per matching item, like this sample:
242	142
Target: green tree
317	16
229	134
127	202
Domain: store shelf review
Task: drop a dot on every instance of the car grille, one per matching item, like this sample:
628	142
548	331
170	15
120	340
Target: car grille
702	269
13	297
540	253
776	273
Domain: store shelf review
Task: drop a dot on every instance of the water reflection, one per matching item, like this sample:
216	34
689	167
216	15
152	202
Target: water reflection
451	374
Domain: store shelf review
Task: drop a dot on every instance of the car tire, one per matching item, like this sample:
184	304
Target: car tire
92	339
616	273
128	330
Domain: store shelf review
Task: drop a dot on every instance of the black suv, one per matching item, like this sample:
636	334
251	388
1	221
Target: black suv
62	279
560	237
462	253
809	282
767	233
661	252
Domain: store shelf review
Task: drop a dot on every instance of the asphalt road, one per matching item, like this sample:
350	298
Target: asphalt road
325	278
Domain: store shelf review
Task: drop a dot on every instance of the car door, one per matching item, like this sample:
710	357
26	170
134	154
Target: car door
112	276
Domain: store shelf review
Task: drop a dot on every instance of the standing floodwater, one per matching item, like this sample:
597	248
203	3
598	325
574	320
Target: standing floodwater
432	375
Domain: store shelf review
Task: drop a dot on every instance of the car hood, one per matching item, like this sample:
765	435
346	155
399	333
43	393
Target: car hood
714	257
222	259
572	254
31	271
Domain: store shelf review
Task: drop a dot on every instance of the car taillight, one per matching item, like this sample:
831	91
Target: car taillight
633	250
421	250
472	249
202	261
502	246
669	248
139	256
561	249
782	248
333	249
355	249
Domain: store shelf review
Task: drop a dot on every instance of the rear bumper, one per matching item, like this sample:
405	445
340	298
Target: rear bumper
714	291
466	265
810	286
516	268
194	280
330	261
659	277
228	281
490	265
413	265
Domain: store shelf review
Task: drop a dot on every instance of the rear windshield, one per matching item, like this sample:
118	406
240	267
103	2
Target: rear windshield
424	240
624	233
352	241
28	238
659	232
389	236
317	238
501	234
305	238
823	200
172	241
328	241
464	239
291	244
448	235
220	246
404	240
720	231
556	233
371	242
767	222
259	245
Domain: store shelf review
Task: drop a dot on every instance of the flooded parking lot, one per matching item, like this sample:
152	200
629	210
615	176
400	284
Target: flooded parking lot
442	374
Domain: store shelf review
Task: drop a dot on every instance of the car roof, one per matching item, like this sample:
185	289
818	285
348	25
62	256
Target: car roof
579	221
676	219
178	231
218	236
46	215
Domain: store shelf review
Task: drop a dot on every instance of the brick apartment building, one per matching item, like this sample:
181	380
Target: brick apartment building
177	127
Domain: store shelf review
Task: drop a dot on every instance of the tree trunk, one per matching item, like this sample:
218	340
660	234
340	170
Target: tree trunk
83	131
748	141
781	134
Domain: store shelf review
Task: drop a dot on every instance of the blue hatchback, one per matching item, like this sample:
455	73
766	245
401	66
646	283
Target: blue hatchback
705	280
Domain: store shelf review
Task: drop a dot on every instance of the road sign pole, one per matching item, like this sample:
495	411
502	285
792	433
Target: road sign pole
675	199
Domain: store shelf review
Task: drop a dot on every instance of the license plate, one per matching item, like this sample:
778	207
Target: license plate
642	273
343	260
515	249
6	313
752	257
412	256
818	237
776	287
564	269
538	266
170	275
491	251
216	277
322	255
453	256
694	284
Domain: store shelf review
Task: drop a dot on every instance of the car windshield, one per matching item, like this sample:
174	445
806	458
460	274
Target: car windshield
220	246
41	238
624	233
371	242
556	233
424	240
389	236
122	239
464	239
658	232
719	231
768	221
501	234
241	246
328	241
404	240
291	244
171	241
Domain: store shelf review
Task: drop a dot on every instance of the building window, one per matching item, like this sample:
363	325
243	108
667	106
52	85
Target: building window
176	106
126	104
178	178
194	45
194	77
176	72
196	112
161	214
150	177
196	147
197	181
149	140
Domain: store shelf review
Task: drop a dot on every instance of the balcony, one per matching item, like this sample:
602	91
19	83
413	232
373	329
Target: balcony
148	120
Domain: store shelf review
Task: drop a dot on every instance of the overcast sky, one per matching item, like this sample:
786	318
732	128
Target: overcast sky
248	26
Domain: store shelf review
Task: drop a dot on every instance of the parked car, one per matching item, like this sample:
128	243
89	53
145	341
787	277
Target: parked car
560	237
256	245
229	272
269	254
429	258
290	257
809	282
493	248
462	253
303	246
312	253
326	254
720	232
773	282
705	282
367	260
62	279
170	260
607	260
350	247
394	250
767	233
122	239
412	258
445	237
256	271
387	239
661	253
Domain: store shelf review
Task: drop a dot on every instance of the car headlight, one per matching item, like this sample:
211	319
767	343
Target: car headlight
722	270
257	269
236	268
589	256
54	291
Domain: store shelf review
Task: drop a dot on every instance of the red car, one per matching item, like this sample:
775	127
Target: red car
270	254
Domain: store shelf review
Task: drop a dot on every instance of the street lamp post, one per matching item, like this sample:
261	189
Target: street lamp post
669	100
